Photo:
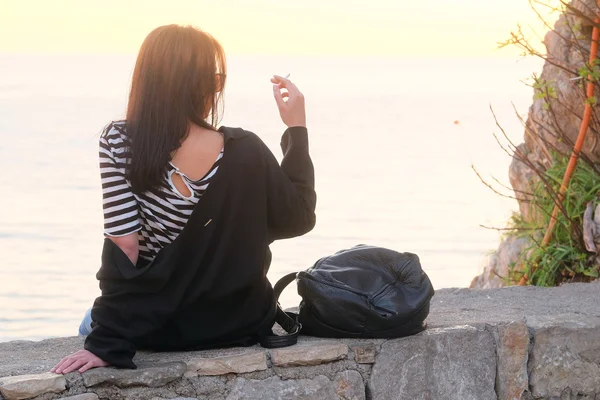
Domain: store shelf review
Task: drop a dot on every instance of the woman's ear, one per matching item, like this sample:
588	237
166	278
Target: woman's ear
221	77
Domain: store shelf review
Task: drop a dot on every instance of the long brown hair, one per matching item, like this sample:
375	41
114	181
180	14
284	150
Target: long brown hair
178	79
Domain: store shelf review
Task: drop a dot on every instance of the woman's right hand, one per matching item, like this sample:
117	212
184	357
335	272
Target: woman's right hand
81	361
292	110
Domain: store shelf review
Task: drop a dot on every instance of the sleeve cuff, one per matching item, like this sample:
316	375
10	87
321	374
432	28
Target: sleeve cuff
118	233
296	136
116	351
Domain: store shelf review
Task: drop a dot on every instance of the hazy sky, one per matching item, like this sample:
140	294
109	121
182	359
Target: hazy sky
389	27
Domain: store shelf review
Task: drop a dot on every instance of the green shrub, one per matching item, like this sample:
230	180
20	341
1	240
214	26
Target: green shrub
565	258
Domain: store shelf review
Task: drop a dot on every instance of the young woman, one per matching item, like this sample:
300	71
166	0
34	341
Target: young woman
190	210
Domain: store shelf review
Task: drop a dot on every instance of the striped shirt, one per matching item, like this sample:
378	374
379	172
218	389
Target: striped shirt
158	215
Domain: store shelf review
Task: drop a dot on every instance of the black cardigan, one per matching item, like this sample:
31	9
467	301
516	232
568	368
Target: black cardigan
208	288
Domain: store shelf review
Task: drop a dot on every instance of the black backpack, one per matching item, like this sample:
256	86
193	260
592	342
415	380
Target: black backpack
362	292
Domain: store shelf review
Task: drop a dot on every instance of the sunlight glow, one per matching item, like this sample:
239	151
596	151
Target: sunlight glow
352	27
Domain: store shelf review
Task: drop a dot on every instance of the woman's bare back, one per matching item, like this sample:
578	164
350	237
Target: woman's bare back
196	156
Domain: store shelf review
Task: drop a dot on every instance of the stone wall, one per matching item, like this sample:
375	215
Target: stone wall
510	343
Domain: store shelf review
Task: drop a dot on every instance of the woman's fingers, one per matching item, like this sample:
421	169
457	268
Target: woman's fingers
285	83
87	366
91	364
83	360
278	97
66	363
93	361
60	364
290	102
75	365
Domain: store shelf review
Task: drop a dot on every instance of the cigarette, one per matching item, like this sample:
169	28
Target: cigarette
287	76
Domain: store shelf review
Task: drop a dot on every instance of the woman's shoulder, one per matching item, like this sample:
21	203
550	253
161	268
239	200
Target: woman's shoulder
240	134
247	145
114	138
115	130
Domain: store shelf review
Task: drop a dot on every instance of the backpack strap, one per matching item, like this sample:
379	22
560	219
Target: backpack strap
287	320
282	284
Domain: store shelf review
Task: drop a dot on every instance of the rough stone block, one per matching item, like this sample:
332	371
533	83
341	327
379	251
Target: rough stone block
232	364
513	352
309	354
565	355
364	353
174	398
84	396
155	376
28	386
208	387
348	385
452	363
568	395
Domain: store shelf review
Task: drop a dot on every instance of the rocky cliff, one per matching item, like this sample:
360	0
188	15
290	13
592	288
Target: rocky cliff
553	122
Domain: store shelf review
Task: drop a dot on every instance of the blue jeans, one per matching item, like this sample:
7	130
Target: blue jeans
85	328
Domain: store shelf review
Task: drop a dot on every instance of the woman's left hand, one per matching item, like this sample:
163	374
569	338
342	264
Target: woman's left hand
83	360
